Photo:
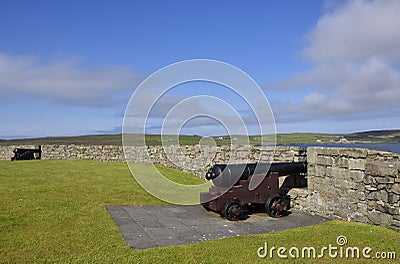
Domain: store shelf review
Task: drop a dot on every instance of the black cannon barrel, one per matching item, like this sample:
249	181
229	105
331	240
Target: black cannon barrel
27	154
226	174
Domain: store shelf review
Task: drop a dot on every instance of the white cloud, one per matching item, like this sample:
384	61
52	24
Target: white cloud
355	49
357	30
64	81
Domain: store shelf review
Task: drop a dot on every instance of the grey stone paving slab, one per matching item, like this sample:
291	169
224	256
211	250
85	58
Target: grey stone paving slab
157	226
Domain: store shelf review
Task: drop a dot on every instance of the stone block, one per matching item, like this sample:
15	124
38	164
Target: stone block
319	183
356	175
382	169
370	187
311	155
354	153
374	195
368	179
310	182
394	210
371	204
357	195
382	155
336	172
329	151
357	217
384	196
396	224
396	188
340	214
341	192
356	164
362	208
384	179
317	201
382	208
311	170
324	160
379	218
331	171
320	171
342	162
382	186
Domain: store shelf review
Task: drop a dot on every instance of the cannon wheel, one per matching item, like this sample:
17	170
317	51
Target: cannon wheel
275	206
233	211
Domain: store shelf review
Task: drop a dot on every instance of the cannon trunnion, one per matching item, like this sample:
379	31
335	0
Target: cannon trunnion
233	194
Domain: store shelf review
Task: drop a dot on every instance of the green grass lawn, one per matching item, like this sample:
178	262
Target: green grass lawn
55	211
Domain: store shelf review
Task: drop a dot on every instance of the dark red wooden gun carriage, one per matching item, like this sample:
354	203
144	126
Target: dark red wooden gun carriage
234	195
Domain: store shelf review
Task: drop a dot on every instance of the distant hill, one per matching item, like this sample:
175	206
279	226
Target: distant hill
376	136
116	139
112	139
376	133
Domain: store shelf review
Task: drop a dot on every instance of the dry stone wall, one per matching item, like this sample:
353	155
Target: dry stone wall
354	184
195	159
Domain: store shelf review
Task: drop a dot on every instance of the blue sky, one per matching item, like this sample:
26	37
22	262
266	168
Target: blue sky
70	67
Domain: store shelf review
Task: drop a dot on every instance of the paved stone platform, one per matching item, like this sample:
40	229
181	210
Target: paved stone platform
157	226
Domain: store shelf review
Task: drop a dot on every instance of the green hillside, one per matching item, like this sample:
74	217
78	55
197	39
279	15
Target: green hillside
116	139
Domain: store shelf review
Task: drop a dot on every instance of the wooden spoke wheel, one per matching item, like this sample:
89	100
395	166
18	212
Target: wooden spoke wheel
275	206
233	211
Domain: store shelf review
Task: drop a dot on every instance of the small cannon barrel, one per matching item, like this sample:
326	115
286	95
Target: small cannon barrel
27	154
226	174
